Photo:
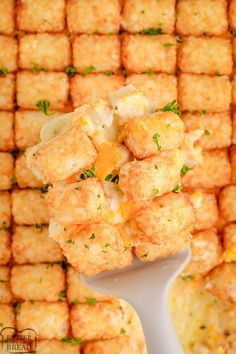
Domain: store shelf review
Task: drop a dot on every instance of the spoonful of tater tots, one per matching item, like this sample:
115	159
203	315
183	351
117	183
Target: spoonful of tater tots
113	171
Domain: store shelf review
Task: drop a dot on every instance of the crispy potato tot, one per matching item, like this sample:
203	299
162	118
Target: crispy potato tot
41	15
85	89
206	212
63	156
6	170
216	127
7	92
164	216
203	92
90	17
8	53
205	56
55	346
232	14
37	282
29	207
49	320
227	202
100	52
31	244
148	251
221	281
77	291
140	54
151	134
7	16
229	243
120	345
7	316
77	203
96	248
5	250
206	252
195	19
160	89
214	171
5	291
24	177
151	177
5	210
103	320
6	131
139	15
44	51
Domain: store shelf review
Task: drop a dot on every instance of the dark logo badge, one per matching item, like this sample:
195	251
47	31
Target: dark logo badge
19	342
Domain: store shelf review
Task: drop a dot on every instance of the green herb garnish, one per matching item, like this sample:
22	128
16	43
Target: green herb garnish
62	296
4	71
72	341
44	105
88	173
70	70
91	300
173	106
206	132
177	188
152	31
92	237
185	169
156	141
89	71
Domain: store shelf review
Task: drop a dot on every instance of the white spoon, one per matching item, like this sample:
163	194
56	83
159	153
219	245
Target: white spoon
145	286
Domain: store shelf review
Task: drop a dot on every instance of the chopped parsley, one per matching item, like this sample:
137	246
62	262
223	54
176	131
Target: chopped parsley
70	241
202	112
187	277
62	296
17	306
122	331
123	72
168	44
39	227
144	255
113	179
142	12
72	341
70	70
107	245
206	132
3	281
150	72
88	173
108	177
177	188
152	31
63	265
86	246
92	237
109	73
4	71
99	207
173	106
179	39
4	226
156	141
74	301
78	188
202	327
185	169
14	180
155	191
91	300
156	167
44	105
162	206
35	68
89	70
122	311
1	324
44	189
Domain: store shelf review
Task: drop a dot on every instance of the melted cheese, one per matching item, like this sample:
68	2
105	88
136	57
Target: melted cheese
108	159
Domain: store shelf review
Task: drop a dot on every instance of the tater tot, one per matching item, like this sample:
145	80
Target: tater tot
100	52
148	251
7	16
120	345
206	252
24	177
29	207
77	203
8	53
233	163
6	170
221	281
227	202
7	131
195	19
140	15
96	248
205	56
49	320
55	346
232	14
5	249
5	291
7	92
160	89
164	216
151	134
78	292
142	53
151	177
214	172
207	212
217	128
103	320
229	242
198	92
7	316
5	210
63	156
31	244
37	282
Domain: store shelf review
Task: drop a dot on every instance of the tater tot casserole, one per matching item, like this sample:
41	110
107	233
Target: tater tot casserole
117	140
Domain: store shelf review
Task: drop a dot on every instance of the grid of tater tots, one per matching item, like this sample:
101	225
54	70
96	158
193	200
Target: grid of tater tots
60	54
